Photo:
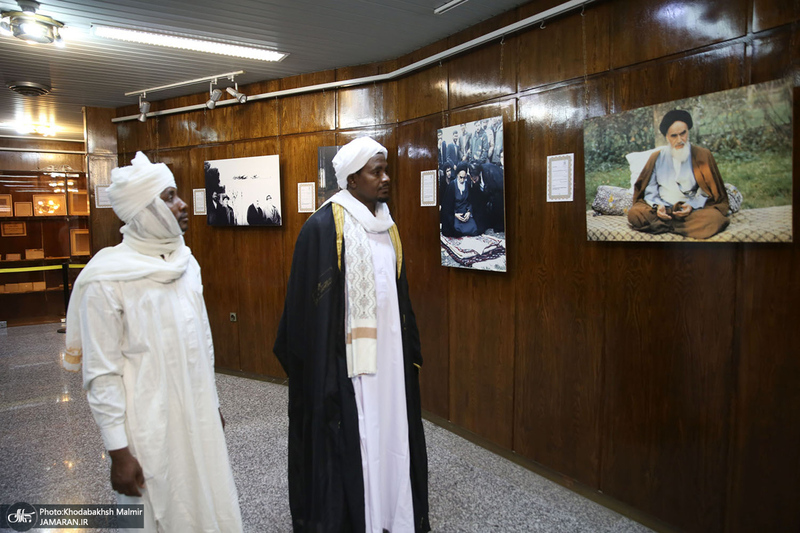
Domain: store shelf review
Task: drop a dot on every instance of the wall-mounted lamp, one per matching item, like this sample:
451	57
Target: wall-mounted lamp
144	107
215	95
234	91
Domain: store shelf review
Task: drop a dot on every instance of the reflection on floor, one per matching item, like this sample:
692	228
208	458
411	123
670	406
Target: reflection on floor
51	452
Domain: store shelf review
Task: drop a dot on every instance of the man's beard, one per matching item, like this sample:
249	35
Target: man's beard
681	154
382	200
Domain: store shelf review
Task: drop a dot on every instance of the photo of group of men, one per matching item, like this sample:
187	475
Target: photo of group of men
243	191
471	193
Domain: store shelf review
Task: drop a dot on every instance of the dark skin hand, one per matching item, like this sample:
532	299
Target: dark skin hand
126	472
127	476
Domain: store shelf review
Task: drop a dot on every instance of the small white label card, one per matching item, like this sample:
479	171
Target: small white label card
427	191
199	196
306	193
101	199
560	177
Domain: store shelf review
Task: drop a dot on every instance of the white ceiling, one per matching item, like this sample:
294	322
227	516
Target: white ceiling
317	35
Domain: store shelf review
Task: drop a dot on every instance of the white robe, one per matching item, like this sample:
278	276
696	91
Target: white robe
148	366
381	402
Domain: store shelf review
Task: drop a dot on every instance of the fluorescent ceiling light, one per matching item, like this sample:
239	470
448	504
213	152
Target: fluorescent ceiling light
447	6
185	43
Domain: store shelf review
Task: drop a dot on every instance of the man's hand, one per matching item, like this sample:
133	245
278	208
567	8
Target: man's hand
126	473
682	210
662	213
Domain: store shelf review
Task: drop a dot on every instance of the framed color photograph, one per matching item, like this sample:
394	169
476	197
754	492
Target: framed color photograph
23	209
49	205
5	206
710	168
471	193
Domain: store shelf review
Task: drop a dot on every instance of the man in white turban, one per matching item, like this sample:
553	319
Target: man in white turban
349	343
137	325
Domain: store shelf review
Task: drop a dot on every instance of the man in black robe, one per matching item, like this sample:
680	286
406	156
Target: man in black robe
326	479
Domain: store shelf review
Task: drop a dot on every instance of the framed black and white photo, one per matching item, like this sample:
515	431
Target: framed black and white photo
243	192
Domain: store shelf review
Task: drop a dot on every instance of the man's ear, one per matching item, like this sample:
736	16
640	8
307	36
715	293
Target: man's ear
351	180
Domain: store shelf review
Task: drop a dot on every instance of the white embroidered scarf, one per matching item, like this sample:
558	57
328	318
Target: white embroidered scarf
361	304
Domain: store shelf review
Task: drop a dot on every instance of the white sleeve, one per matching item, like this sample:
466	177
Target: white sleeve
103	362
208	337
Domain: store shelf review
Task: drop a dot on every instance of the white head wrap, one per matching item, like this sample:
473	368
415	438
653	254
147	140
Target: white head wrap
353	156
134	187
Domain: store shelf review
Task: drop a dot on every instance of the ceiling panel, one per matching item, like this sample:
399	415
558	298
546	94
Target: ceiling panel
317	35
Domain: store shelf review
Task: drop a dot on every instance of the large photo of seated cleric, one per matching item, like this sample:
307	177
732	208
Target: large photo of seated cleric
472	231
243	192
712	168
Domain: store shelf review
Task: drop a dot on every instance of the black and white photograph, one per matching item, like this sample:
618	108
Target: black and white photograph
471	195
326	184
243	192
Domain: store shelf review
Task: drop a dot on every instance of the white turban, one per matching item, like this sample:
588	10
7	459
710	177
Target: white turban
353	156
136	186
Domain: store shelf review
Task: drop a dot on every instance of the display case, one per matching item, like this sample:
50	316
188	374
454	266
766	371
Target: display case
44	227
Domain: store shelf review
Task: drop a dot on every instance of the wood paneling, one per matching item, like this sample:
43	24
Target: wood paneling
422	93
771	13
486	73
775	56
559	321
308	112
764	451
299	164
262	285
99	131
104	223
672	80
557	52
649	29
367	105
215	250
428	280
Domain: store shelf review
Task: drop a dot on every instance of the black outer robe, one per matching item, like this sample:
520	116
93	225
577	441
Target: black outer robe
326	482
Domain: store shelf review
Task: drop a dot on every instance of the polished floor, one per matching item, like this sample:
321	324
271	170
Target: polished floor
51	452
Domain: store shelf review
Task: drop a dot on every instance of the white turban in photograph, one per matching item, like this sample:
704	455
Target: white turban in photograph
135	186
353	156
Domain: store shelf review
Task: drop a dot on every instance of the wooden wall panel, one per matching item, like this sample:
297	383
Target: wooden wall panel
488	72
559	322
215	250
481	317
100	133
186	129
771	13
104	223
666	81
764	452
133	136
299	164
367	105
557	52
649	29
262	284
422	93
308	112
19	160
775	56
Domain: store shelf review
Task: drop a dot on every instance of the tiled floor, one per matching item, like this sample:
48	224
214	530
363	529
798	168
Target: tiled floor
51	452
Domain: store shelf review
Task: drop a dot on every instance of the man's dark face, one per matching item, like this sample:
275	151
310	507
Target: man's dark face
448	174
177	206
371	183
475	177
455	136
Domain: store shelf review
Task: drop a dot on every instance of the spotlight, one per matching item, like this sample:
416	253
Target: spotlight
216	94
236	94
144	108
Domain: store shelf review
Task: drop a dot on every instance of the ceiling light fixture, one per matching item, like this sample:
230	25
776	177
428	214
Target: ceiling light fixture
234	91
144	107
30	27
187	43
447	6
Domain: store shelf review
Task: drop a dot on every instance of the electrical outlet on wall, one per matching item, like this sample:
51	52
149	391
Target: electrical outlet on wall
233	317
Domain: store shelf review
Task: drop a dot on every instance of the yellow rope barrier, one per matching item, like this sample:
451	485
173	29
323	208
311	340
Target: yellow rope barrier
36	268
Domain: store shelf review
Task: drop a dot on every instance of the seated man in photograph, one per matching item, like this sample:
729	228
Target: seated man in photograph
680	189
138	327
456	214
